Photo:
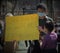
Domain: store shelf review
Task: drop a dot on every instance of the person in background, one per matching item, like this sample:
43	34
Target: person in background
9	14
49	43
42	18
42	13
1	31
1	35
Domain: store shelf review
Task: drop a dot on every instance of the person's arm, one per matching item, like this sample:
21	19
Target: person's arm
41	29
43	43
2	24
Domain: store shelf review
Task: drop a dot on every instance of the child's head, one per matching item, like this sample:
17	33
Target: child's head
49	26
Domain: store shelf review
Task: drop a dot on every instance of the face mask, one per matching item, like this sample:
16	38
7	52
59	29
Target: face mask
41	14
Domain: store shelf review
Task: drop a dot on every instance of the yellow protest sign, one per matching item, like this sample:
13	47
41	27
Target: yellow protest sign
22	27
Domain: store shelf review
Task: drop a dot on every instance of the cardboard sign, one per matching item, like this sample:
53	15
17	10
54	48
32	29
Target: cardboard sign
24	27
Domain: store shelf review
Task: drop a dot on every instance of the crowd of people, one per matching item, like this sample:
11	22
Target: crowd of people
47	42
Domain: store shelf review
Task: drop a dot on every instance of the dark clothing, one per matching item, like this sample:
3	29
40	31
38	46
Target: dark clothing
42	23
1	36
49	51
1	31
34	48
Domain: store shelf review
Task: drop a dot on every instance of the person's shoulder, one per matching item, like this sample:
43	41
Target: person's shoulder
53	35
49	18
47	36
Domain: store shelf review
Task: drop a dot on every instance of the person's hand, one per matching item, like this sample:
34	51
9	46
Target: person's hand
40	28
40	42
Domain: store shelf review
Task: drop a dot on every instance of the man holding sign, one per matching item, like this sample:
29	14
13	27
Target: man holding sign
42	12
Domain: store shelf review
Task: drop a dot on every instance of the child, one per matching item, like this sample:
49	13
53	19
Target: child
49	42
